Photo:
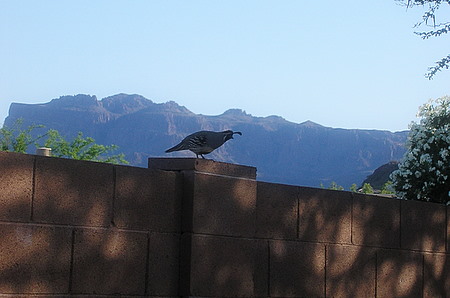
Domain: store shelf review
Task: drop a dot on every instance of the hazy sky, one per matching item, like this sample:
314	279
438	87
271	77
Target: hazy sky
349	63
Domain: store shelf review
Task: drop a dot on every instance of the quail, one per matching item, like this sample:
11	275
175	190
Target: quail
204	142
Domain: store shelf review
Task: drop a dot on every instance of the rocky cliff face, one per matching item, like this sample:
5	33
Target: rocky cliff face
381	175
284	152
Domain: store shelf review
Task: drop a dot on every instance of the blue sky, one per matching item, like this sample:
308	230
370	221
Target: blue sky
347	64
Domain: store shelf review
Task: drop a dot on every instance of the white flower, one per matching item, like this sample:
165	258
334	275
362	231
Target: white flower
428	154
425	158
443	153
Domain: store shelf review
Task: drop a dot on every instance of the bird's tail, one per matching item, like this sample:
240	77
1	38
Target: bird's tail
178	147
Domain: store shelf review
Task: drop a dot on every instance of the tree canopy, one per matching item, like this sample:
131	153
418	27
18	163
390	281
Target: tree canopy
438	28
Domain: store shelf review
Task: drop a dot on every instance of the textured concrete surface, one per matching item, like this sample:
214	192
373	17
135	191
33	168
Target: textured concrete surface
351	271
147	199
448	230
16	186
227	267
297	269
423	226
399	273
220	205
84	229
34	259
276	211
325	215
109	262
163	264
436	275
380	216
73	192
202	165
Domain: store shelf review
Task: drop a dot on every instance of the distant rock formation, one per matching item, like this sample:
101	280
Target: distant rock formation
284	152
381	175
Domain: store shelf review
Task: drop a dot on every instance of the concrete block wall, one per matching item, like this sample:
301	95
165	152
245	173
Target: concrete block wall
246	238
77	228
192	227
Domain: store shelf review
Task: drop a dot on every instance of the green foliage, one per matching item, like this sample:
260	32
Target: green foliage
82	148
388	188
16	139
424	173
367	188
335	186
429	19
354	187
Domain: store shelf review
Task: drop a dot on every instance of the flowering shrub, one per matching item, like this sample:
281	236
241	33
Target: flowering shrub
424	173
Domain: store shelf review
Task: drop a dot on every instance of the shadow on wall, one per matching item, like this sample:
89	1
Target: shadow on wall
218	240
68	227
72	227
34	259
251	238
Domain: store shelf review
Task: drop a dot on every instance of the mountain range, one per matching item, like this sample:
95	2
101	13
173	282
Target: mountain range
307	153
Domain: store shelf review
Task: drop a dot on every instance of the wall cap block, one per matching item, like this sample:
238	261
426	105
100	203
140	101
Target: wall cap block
202	165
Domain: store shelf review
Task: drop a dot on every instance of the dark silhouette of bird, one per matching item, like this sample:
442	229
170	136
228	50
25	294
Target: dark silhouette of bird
204	142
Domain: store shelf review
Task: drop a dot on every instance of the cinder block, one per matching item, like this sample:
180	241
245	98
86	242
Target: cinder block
423	226
83	296
350	271
226	267
399	273
109	262
376	221
325	215
163	271
73	192
203	166
148	199
448	229
297	269
219	205
436	275
16	186
34	259
276	211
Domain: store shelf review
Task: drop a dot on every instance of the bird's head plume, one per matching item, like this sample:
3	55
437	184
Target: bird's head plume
228	134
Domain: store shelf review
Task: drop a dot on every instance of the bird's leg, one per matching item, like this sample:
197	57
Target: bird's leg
202	156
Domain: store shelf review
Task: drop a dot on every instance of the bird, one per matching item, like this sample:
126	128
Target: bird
204	142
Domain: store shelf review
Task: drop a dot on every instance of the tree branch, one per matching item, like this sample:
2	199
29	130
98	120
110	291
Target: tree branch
444	63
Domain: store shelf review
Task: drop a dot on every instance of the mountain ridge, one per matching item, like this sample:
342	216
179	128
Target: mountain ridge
304	153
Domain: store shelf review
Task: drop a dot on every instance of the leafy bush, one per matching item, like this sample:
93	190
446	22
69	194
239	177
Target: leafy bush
367	188
388	188
16	139
82	148
424	172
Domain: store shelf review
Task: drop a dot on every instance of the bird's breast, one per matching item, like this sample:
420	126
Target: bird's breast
202	150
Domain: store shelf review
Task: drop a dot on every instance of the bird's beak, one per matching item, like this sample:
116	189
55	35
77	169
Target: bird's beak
238	132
